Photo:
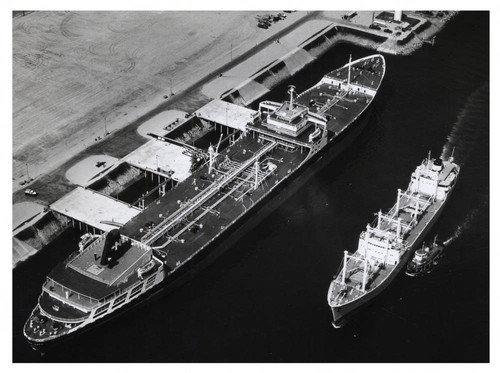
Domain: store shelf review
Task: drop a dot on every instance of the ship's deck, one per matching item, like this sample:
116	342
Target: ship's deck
83	281
367	72
88	282
343	112
211	221
49	305
366	77
88	262
340	107
410	237
354	281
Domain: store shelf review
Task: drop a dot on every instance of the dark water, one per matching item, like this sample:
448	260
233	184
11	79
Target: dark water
264	300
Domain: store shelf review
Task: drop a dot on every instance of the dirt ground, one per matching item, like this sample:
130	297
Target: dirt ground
77	74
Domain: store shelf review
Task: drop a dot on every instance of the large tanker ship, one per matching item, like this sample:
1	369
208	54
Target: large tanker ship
387	244
112	270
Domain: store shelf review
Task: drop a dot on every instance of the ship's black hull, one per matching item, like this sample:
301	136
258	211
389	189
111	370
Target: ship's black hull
262	208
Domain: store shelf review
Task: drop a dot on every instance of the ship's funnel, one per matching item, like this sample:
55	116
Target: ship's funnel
437	165
110	252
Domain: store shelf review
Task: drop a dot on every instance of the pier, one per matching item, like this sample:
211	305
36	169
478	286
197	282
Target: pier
94	211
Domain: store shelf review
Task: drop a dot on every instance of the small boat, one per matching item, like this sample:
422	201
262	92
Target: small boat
425	259
85	241
143	270
315	135
30	192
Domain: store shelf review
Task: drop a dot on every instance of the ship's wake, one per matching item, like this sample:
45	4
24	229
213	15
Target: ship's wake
466	223
468	126
471	131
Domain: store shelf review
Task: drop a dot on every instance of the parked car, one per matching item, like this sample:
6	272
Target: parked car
30	192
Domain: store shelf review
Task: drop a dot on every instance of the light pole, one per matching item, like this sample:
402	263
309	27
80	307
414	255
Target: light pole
105	129
27	172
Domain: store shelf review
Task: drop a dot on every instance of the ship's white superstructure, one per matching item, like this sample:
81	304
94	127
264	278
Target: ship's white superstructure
384	246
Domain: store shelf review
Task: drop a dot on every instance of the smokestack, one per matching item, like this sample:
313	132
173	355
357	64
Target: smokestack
397	15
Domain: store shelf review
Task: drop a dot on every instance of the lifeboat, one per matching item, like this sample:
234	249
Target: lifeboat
85	241
145	269
315	135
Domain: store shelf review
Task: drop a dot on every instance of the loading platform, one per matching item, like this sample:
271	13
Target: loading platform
165	159
94	209
227	114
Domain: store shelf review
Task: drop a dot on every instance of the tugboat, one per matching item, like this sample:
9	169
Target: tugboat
425	259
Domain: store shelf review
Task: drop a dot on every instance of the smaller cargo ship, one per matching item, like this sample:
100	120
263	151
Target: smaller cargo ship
386	245
425	259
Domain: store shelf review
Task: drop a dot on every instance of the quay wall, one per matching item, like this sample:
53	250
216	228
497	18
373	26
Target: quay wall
37	235
115	180
277	72
34	237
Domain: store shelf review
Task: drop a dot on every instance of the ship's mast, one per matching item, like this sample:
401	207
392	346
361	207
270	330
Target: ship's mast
291	90
211	159
365	272
349	72
213	154
416	209
344	272
256	184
